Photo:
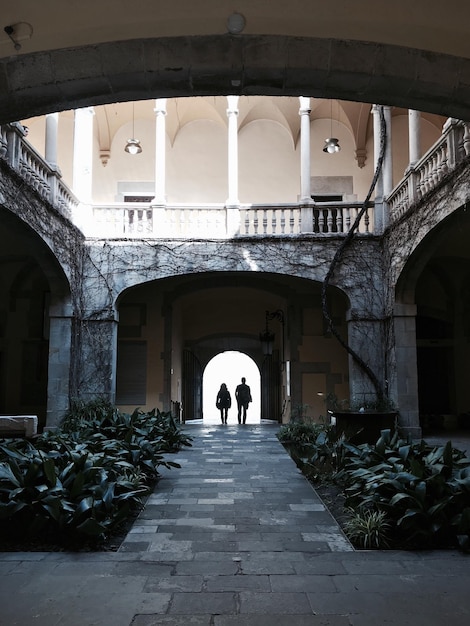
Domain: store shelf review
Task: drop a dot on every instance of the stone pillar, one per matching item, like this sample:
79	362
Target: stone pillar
95	357
52	124
232	115
168	371
414	136
50	155
304	112
83	154
388	163
403	383
60	334
379	208
365	337
160	152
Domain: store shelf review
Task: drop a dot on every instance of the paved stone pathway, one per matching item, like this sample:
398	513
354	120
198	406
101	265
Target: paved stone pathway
236	537
237	500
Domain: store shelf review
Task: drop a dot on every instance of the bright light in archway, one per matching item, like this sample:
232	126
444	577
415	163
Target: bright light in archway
228	368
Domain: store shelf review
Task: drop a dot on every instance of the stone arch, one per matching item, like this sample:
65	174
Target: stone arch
423	249
36	324
206	313
243	65
431	304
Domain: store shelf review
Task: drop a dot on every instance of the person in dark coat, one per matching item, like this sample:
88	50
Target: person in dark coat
223	402
243	396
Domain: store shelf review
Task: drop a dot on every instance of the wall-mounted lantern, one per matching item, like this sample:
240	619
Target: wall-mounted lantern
267	337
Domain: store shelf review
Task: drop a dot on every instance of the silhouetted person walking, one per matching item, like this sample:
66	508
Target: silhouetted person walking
243	396
223	402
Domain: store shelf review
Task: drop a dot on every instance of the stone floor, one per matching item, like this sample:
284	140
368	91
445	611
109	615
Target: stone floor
236	537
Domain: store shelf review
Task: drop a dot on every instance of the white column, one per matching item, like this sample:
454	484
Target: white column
83	154
377	142
52	124
304	112
379	187
160	151
414	134
388	164
232	115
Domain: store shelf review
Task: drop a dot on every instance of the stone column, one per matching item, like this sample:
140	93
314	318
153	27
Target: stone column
304	112
388	163
83	154
403	382
160	152
60	334
52	124
232	115
365	337
414	135
95	357
50	155
379	188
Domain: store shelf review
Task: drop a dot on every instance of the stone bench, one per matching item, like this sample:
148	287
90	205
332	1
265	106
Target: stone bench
18	425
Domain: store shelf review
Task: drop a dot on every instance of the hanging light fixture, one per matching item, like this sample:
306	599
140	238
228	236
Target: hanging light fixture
332	143
267	337
133	145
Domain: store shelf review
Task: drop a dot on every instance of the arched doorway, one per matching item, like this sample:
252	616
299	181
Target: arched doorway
229	367
436	281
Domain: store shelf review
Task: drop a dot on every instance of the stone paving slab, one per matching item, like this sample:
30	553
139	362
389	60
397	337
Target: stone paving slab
236	537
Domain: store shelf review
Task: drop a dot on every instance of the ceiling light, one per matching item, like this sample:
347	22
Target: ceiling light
133	145
331	145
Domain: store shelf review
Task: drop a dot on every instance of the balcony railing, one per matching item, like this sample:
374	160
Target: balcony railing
424	175
138	220
46	180
217	221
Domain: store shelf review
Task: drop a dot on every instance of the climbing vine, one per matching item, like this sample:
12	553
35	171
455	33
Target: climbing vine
338	257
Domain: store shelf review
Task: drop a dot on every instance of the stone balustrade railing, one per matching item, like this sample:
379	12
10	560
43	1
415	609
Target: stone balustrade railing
218	221
424	175
173	221
45	179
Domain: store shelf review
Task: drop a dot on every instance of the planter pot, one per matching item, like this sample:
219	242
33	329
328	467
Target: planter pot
364	426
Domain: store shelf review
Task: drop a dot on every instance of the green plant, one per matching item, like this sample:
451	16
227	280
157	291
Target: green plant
299	433
87	412
424	491
314	447
299	413
368	529
86	478
333	404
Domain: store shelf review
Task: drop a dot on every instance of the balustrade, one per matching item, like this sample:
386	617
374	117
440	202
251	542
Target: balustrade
421	178
218	221
23	158
178	221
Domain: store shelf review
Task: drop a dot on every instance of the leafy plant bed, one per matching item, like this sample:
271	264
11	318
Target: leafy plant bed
81	487
394	494
51	541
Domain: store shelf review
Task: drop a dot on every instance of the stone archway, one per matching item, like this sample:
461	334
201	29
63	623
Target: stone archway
432	349
229	367
35	326
209	64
